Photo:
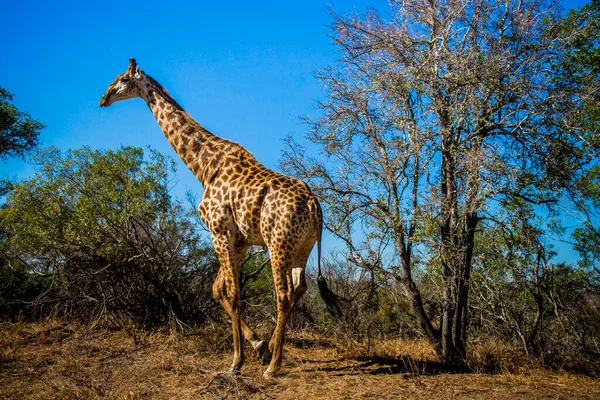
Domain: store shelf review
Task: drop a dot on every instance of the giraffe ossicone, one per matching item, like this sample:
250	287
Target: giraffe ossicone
244	204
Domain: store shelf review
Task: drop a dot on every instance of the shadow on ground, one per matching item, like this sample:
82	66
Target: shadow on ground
406	365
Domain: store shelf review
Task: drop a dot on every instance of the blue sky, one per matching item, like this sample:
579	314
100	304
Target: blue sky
242	69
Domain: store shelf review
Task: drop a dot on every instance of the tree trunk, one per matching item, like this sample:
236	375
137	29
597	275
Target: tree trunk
461	318
448	348
415	299
449	241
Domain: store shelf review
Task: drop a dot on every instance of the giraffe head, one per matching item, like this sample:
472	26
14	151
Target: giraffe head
126	86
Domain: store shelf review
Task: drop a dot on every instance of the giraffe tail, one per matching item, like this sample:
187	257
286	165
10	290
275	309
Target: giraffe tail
332	301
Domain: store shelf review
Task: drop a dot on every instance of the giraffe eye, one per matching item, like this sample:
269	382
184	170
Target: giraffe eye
124	79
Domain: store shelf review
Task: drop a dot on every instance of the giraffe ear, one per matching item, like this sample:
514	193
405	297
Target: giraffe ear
138	73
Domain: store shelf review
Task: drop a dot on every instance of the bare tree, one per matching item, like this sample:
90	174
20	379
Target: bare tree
432	121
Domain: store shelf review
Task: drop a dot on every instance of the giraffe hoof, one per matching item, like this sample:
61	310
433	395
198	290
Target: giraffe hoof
233	371
262	351
268	374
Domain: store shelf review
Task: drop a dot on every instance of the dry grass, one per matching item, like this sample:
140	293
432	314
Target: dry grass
52	360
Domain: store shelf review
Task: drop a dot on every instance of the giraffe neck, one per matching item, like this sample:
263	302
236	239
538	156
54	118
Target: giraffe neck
199	149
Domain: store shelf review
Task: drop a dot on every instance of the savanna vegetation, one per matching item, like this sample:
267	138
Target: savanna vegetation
455	152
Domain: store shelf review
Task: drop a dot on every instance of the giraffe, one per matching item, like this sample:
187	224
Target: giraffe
243	204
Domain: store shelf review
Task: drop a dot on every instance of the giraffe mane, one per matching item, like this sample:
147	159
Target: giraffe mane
164	92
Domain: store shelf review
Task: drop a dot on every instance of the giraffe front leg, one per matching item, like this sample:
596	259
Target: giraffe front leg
226	292
226	288
231	304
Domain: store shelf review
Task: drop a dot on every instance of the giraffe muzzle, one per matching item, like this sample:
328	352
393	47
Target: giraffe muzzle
104	101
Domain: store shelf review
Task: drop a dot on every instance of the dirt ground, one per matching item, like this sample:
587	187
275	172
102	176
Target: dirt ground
59	361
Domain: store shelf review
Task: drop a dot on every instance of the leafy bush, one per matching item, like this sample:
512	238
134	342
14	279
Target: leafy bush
97	233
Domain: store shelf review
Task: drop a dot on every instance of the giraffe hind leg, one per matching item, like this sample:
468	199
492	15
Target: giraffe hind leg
261	347
298	275
284	290
290	285
262	352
